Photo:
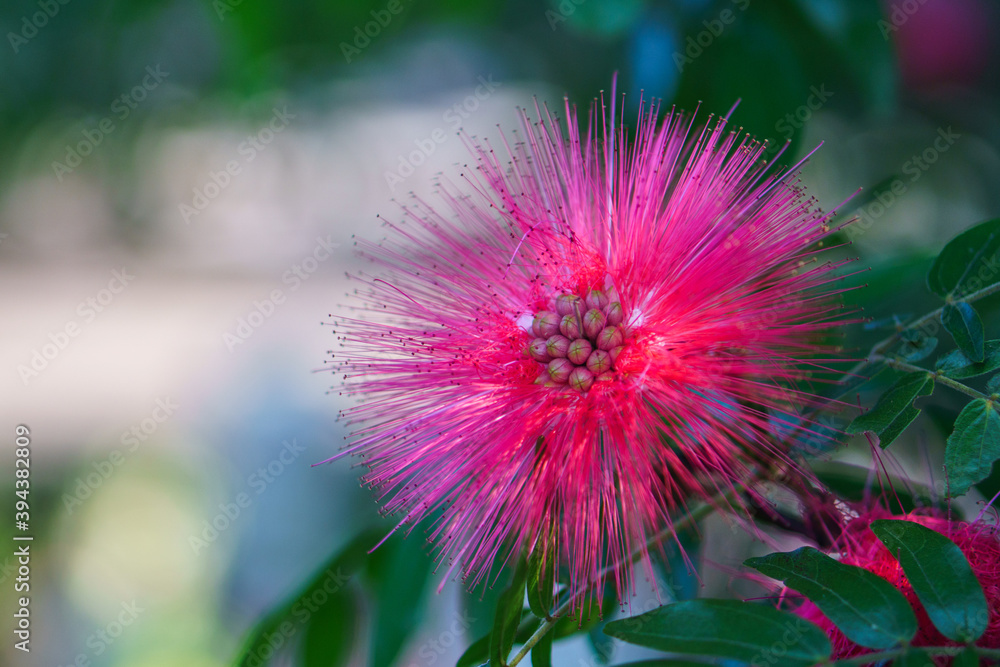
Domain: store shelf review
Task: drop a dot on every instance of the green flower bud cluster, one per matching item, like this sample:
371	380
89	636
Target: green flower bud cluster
578	342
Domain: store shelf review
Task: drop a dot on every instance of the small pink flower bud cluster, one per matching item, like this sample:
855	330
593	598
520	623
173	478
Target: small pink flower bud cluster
578	342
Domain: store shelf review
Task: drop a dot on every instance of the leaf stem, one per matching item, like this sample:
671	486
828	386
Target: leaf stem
880	347
938	377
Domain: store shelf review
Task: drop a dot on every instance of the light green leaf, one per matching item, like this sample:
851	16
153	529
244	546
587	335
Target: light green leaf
894	410
973	446
940	575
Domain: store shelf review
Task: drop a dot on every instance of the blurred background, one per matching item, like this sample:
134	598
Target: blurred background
180	186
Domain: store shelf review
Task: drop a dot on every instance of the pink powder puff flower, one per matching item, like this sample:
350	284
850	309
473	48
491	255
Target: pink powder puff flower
588	335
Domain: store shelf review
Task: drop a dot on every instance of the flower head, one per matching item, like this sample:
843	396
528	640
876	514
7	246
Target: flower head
588	335
858	545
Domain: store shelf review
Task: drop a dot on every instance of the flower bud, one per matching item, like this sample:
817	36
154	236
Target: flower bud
569	326
544	380
607	376
593	323
598	362
537	351
581	379
557	346
545	324
615	313
597	300
565	302
614	352
609	338
559	370
579	351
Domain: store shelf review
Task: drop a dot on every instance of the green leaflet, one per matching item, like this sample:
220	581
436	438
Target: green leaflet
894	410
867	608
940	575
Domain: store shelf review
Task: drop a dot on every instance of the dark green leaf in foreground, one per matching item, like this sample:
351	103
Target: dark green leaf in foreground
322	613
478	652
968	263
894	410
914	657
726	629
959	367
940	575
508	616
967	658
867	608
541	653
330	632
398	572
667	662
973	446
963	323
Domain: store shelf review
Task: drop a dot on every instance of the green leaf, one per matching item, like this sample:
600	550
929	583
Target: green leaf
963	323
973	446
940	575
967	658
725	629
968	262
916	345
959	367
914	658
478	652
867	608
397	572
894	410
993	386
330	631
541	580
541	653
508	616
324	605
666	663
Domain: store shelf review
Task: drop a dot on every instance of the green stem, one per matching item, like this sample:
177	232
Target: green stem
941	379
687	520
884	344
